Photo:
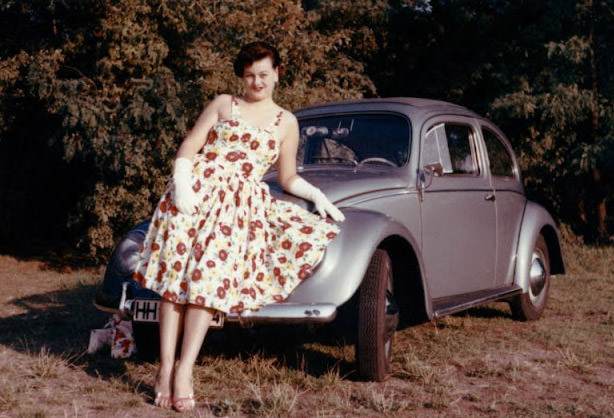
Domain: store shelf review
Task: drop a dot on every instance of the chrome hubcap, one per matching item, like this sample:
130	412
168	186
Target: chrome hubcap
538	278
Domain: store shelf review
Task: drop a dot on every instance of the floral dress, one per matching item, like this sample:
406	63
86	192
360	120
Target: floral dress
242	249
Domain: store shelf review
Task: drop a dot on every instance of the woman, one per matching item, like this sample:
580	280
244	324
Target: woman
218	240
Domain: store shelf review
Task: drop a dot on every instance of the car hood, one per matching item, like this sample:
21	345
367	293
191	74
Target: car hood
340	183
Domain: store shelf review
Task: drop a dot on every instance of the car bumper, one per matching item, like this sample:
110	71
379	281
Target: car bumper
277	313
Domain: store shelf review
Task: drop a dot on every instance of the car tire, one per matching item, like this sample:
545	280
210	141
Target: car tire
378	317
530	305
147	340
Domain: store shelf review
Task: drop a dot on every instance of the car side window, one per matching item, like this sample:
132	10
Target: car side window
462	149
501	162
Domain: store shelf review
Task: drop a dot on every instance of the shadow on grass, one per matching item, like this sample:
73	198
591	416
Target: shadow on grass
59	323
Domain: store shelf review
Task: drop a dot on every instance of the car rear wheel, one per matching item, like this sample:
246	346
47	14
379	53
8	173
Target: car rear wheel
530	305
378	317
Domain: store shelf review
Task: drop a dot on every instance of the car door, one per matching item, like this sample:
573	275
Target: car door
457	209
510	201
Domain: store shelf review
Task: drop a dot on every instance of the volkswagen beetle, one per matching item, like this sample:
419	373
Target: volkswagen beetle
436	222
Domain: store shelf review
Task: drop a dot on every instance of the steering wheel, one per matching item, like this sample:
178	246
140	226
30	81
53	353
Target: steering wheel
377	160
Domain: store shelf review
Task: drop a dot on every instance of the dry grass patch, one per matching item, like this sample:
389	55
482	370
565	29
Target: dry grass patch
474	364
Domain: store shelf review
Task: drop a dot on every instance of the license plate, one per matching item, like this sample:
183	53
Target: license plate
148	310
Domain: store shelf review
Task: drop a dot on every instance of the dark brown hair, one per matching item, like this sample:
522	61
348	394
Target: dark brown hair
253	52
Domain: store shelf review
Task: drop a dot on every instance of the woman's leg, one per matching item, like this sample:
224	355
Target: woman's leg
195	325
171	319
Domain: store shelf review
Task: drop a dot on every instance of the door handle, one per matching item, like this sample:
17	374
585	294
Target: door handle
490	197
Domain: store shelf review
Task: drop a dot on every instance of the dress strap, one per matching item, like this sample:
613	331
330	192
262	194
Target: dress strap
234	108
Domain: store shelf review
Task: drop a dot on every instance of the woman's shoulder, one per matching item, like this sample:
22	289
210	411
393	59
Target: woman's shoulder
286	116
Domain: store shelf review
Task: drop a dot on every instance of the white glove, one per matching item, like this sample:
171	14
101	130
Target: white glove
185	198
301	188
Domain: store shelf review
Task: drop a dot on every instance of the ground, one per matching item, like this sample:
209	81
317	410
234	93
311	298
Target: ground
479	363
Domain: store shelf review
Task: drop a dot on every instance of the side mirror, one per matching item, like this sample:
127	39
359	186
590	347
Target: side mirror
434	169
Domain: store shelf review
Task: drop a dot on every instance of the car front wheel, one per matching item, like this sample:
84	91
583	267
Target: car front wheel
378	317
530	305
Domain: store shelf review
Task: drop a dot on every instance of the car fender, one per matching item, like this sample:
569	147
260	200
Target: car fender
347	257
536	220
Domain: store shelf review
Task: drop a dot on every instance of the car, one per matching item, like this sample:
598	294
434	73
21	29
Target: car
437	222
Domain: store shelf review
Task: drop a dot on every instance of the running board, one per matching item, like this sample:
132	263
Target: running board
457	303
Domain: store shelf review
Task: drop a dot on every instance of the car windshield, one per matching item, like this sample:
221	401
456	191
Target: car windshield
354	139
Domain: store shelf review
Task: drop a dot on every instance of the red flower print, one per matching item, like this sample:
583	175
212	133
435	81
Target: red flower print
222	195
212	136
174	210
299	254
245	291
155	246
306	229
232	156
226	284
258	223
260	277
237	199
286	245
184	286
304	272
276	271
208	171
163	206
221	293
192	232
331	235
200	300
254	145
201	224
163	266
211	156
247	168
238	308
235	284
233	123
177	266
159	277
234	137
251	236
240	222
242	155
271	144
181	248
196	275
210	264
196	187
172	296
212	237
165	236
157	223
139	278
305	246
281	280
226	230
296	219
246	275
246	137
223	255
278	298
282	259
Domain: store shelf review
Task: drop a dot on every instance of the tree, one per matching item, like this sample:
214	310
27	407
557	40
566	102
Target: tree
114	86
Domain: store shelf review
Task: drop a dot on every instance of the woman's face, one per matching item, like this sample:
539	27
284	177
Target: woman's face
259	79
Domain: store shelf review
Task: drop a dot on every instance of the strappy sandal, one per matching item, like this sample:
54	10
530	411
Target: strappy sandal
184	404
160	400
163	401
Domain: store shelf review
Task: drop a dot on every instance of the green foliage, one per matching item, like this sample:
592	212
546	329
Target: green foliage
96	95
119	84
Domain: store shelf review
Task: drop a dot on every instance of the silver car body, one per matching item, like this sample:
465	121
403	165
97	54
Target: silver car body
470	238
454	240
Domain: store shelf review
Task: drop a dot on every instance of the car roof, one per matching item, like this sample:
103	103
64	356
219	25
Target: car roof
413	105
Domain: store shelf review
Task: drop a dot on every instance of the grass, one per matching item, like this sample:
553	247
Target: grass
475	364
